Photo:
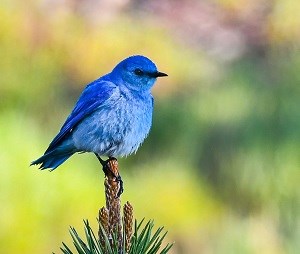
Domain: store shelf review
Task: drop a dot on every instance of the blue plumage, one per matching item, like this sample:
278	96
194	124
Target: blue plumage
112	117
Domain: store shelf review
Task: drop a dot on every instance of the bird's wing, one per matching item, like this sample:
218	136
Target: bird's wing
94	96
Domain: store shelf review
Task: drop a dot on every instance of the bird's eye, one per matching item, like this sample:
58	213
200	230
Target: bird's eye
138	72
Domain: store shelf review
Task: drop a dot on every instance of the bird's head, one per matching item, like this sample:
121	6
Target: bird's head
137	73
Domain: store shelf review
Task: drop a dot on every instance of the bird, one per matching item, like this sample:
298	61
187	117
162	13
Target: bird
112	116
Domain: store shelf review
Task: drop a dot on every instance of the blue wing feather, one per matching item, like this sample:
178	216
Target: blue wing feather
93	97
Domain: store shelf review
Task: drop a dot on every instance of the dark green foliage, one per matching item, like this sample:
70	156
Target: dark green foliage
143	241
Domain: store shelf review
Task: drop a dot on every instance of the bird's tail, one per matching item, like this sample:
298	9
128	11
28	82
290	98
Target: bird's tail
55	157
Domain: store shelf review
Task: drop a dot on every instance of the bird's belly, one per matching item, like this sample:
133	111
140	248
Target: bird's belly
117	132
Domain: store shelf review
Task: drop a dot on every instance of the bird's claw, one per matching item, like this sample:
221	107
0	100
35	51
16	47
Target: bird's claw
108	172
120	182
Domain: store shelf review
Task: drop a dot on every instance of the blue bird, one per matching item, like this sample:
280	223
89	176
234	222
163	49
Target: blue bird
112	117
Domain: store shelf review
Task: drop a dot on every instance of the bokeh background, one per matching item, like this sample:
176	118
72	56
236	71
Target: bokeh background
220	169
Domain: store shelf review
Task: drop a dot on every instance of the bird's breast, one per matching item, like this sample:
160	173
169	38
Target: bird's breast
117	129
134	122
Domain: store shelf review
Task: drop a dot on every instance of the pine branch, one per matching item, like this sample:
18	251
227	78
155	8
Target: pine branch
116	234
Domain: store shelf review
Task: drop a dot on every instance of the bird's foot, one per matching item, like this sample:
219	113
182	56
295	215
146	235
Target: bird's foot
111	173
120	183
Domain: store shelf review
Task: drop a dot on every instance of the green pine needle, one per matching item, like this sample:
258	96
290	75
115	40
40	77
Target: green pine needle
142	242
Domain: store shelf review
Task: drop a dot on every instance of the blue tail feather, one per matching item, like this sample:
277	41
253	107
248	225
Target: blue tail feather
55	157
50	160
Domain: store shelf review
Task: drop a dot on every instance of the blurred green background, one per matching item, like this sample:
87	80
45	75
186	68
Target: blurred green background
220	169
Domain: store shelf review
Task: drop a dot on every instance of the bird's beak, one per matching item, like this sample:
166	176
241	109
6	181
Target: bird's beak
160	74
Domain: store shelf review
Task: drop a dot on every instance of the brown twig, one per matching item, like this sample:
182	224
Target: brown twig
110	216
113	203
